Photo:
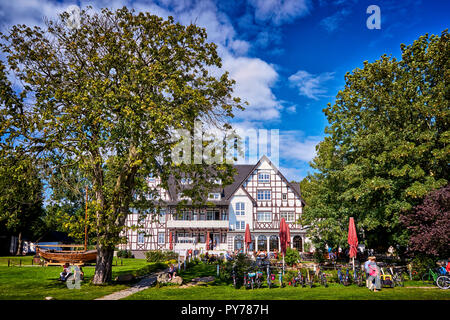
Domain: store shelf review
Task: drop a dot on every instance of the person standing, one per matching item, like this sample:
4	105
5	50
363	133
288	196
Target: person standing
374	274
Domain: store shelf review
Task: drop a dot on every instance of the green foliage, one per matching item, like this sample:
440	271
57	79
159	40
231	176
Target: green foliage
241	264
387	146
160	256
126	254
292	256
21	199
106	99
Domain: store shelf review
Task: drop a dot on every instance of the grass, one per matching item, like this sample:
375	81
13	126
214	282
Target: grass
35	282
223	291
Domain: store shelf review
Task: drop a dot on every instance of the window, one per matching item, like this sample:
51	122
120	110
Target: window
162	215
209	215
161	237
240	225
263	195
264	177
240	208
264	216
214	196
288	216
284	196
141	237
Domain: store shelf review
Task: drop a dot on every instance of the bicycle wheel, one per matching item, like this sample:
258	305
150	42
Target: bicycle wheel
443	282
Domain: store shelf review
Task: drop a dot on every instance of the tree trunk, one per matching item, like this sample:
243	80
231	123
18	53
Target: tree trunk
19	245
103	266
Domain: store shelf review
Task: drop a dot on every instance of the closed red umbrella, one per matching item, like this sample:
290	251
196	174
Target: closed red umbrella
288	235
352	240
283	235
170	240
207	240
248	237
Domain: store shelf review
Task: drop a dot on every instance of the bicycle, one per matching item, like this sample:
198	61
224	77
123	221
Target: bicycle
430	276
258	278
344	280
270	277
322	279
397	276
234	276
358	277
443	282
309	279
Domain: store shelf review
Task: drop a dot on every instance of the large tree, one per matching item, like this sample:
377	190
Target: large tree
387	145
103	101
21	199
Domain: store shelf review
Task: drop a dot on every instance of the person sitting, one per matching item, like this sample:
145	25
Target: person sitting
172	272
65	273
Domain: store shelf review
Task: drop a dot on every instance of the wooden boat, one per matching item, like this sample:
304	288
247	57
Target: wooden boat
63	256
71	256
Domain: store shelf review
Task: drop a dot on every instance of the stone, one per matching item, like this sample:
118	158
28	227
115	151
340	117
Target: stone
125	278
177	280
49	298
164	278
204	279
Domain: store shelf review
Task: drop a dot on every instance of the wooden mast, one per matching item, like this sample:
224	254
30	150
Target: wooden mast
85	222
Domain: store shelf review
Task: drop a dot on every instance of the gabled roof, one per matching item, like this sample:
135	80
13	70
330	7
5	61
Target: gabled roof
243	171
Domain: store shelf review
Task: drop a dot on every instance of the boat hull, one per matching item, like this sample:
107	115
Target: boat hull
70	257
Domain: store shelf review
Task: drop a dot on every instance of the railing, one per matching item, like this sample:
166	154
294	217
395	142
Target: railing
275	225
197	224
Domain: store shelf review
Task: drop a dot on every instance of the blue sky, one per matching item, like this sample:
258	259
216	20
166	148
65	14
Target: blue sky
288	57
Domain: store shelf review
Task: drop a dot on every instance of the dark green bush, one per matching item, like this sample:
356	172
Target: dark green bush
125	254
160	256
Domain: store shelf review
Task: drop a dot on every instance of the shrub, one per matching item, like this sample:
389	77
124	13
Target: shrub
125	254
160	256
292	256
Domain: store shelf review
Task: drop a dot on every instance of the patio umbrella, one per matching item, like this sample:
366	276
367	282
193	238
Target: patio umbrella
170	240
352	240
248	237
288	235
283	238
207	240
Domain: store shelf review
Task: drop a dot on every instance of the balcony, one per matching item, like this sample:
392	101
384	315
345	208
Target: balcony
198	224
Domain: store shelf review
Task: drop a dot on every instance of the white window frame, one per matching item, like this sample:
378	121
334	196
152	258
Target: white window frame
214	196
240	208
141	237
289	216
163	235
240	225
263	177
266	195
264	216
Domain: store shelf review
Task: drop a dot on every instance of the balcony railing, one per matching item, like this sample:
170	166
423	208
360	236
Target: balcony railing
222	224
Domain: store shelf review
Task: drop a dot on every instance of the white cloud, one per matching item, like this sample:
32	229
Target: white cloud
280	11
333	22
310	85
294	145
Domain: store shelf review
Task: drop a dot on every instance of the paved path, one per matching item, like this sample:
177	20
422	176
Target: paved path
143	284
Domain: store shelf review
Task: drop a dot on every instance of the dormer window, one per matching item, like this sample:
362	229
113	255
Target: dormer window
214	196
264	177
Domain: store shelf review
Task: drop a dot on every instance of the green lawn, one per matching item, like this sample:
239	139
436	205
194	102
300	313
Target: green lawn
35	282
222	291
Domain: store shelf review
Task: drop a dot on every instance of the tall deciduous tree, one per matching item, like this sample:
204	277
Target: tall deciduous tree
388	144
105	99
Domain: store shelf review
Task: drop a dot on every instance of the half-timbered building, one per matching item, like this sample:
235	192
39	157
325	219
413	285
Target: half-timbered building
259	196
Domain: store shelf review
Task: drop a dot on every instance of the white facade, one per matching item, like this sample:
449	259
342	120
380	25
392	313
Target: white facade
260	200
